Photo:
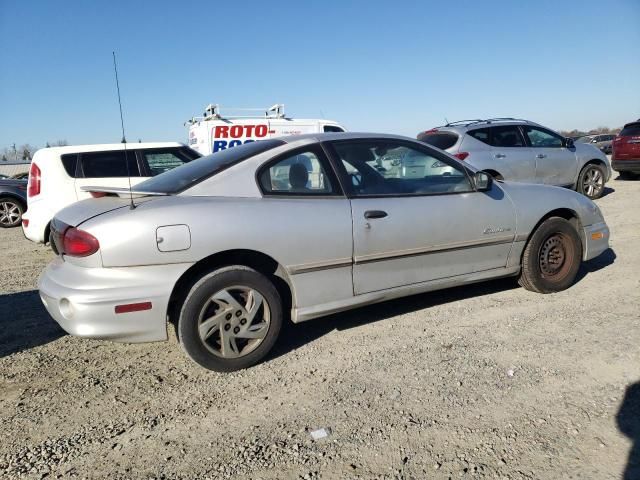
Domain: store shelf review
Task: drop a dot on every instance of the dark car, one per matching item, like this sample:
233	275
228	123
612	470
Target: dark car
13	201
626	151
603	142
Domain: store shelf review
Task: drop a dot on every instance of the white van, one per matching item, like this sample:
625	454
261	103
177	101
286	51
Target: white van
57	175
213	132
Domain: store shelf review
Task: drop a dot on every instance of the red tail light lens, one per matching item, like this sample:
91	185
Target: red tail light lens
461	155
33	185
78	243
98	194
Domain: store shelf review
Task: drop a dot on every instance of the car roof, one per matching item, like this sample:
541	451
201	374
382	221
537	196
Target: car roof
465	125
109	147
331	136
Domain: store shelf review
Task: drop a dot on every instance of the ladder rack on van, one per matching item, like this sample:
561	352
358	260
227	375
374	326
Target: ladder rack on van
212	112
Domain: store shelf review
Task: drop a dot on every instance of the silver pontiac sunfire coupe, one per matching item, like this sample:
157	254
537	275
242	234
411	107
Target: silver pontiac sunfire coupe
226	246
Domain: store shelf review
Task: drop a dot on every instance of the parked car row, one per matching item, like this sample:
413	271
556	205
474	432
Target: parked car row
227	246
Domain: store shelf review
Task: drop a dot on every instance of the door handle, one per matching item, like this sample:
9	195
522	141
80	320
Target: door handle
375	214
541	155
500	155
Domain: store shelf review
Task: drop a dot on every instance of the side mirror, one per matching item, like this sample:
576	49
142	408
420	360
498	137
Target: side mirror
569	143
483	181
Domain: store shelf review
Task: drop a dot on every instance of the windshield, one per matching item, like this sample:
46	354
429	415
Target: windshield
187	175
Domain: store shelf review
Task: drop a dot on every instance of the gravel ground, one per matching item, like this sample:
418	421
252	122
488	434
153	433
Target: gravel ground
485	381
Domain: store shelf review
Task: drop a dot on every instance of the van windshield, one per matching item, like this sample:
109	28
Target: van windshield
189	174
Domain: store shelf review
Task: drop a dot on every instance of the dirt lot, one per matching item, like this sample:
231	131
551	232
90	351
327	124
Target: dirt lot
486	381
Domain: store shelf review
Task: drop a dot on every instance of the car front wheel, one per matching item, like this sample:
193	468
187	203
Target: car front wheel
230	319
591	181
552	257
10	212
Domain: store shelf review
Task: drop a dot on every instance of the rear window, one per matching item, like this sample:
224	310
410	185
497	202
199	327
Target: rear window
441	140
332	128
189	174
630	130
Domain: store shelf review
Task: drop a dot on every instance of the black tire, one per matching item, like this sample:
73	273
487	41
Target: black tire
11	211
200	305
628	175
591	181
552	257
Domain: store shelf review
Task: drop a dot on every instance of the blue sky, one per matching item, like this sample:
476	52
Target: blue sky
389	66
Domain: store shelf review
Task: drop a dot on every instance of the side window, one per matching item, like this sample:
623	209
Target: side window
299	174
390	168
540	138
162	160
481	134
506	136
332	128
70	162
108	164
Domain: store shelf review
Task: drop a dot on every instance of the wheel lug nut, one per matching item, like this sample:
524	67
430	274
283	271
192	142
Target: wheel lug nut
238	313
228	316
243	321
236	330
227	326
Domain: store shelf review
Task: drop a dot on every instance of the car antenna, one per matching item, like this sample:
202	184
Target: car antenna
124	140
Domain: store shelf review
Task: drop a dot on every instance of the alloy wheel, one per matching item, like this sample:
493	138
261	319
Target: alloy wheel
592	182
9	214
234	321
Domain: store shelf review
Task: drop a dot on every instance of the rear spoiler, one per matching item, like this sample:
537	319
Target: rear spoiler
120	191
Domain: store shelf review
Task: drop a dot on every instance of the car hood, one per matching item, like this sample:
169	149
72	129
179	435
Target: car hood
79	212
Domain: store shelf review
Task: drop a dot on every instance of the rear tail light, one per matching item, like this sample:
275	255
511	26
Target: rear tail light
461	155
33	185
78	243
98	194
25	222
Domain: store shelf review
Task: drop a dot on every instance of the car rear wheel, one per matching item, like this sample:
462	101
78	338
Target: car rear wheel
552	257
230	319
591	181
11	212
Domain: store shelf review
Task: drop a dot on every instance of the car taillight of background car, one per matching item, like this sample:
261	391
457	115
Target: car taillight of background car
33	186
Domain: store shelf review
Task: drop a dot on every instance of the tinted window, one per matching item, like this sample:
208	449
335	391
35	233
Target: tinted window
441	140
332	128
630	130
69	161
540	138
506	136
161	160
299	174
197	170
109	164
390	168
481	134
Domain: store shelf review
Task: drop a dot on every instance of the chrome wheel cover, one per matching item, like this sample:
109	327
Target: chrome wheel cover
234	321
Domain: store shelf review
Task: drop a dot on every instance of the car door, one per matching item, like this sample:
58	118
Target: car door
409	229
106	169
509	155
555	164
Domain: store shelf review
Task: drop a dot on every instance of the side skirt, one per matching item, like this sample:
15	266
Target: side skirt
308	313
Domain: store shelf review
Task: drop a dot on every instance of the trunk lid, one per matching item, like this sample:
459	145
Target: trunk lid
79	212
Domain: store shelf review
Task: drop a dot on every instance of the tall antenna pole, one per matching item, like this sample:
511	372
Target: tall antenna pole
124	140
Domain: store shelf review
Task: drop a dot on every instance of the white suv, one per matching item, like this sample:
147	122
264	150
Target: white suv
57	175
523	151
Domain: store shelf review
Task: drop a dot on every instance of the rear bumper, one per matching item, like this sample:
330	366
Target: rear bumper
596	240
626	165
83	300
38	222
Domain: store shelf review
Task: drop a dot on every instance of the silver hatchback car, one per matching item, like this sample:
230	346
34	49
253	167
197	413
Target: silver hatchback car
523	151
229	245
